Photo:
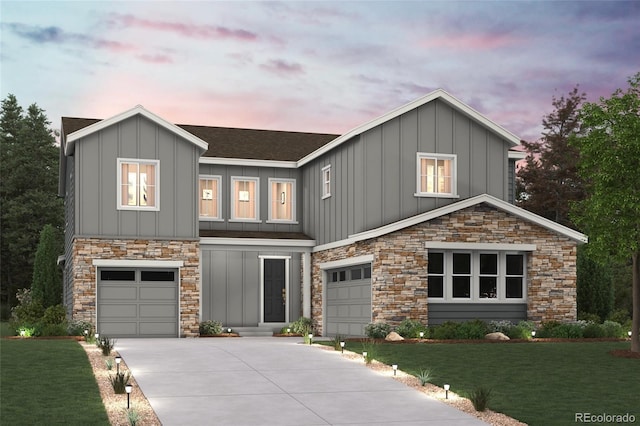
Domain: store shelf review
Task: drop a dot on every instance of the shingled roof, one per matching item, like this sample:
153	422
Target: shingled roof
227	142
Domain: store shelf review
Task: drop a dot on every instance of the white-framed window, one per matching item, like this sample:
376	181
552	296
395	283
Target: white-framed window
209	196
476	276
138	184
245	199
436	175
326	181
282	207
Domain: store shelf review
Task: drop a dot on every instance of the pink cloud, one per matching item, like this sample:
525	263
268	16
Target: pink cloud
282	67
469	41
191	31
155	59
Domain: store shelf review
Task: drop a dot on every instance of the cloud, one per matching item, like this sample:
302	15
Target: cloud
205	32
281	67
469	42
155	59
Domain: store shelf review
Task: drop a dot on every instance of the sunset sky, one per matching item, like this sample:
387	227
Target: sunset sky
312	66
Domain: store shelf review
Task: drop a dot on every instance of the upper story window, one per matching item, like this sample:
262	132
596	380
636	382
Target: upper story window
282	206
138	184
209	197
326	181
245	199
436	175
476	277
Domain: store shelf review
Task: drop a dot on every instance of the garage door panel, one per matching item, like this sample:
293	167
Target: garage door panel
110	292
120	329
158	328
159	311
157	293
110	311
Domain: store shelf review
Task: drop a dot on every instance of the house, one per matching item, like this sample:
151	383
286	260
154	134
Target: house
410	215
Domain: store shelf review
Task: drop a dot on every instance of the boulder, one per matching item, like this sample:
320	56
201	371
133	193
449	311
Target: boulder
496	336
393	337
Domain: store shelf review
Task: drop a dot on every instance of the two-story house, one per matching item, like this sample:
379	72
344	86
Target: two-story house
410	215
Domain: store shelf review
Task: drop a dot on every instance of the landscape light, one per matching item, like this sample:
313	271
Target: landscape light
342	347
118	361
364	355
421	334
288	331
533	334
229	330
395	368
629	333
446	391
128	388
310	337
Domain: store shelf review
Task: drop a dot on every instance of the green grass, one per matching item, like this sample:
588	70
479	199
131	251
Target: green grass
48	382
537	383
6	330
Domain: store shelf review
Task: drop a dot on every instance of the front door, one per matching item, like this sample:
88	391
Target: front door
274	290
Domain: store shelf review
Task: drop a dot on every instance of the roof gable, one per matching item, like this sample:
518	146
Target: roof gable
436	94
92	126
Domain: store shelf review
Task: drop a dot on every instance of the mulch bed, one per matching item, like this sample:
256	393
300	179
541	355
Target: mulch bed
625	353
478	341
221	335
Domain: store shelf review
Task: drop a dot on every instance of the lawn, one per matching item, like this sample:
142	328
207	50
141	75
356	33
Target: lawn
48	382
537	383
5	329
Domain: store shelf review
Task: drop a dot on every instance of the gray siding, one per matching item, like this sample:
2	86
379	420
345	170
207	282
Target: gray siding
231	285
374	174
512	181
264	173
96	184
459	312
69	221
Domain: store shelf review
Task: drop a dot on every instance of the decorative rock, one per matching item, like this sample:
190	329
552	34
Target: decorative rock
395	337
497	336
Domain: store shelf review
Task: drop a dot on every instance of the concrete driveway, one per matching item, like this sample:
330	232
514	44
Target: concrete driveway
272	381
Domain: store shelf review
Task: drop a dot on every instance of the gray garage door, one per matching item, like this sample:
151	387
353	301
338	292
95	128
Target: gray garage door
348	300
138	302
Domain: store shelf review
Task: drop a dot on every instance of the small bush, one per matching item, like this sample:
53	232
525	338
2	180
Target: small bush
108	363
106	345
336	342
589	317
475	329
410	329
621	316
119	381
54	315
210	328
133	416
26	331
377	330
28	311
425	376
593	330
502	326
302	325
77	328
480	397
613	329
554	329
52	329
371	348
445	331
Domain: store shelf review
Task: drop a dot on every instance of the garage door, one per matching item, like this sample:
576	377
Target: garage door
138	302
348	300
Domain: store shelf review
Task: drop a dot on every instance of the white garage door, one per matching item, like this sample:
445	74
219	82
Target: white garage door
348	300
138	302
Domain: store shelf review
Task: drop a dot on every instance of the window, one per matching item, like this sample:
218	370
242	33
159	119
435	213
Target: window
245	199
476	276
326	181
209	197
436	175
138	184
282	200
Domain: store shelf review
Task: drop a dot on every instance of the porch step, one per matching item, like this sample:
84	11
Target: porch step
255	331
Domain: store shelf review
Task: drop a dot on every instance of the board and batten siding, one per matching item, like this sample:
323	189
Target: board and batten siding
264	174
69	223
96	183
373	175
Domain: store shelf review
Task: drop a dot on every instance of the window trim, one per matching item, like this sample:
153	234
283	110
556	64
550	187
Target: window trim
475	277
293	219
138	161
454	178
234	218
218	217
325	178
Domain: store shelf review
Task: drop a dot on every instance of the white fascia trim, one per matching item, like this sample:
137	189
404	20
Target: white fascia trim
436	94
517	155
357	260
451	208
121	263
247	162
441	245
274	242
139	109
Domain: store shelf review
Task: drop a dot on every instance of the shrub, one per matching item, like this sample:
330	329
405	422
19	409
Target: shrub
554	329
336	342
410	329
54	315
589	317
475	329
210	328
502	326
108	363
377	330
371	348
480	397
621	316
28	311
446	330
77	328
51	329
133	416
593	330
613	329
119	381
106	345
518	332
425	376
302	325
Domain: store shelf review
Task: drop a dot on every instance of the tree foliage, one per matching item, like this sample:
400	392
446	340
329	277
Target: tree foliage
47	277
28	191
594	286
609	163
550	182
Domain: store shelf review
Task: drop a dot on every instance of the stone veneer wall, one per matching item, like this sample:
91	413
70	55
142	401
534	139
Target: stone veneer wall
85	250
399	270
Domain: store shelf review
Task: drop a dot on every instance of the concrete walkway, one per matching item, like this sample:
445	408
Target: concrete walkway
272	381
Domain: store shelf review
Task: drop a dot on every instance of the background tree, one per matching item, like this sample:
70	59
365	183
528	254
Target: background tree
28	192
609	162
594	286
47	276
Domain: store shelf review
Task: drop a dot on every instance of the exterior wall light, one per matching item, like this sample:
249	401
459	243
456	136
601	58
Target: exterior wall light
446	391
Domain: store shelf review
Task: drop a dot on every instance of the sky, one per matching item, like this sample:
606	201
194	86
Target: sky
307	66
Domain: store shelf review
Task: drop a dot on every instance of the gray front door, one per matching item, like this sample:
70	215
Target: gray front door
274	290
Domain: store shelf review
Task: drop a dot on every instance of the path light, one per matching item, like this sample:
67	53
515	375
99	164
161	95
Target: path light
23	333
310	337
533	334
364	355
288	331
446	391
118	361
229	330
395	368
128	388
629	333
342	347
421	334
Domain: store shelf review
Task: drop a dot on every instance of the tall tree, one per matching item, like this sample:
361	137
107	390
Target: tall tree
609	163
549	181
594	286
47	277
28	191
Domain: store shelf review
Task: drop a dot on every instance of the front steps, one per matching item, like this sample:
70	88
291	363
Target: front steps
263	331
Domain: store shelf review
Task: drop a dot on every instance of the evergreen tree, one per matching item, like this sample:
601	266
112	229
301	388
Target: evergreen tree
595	289
46	286
28	191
